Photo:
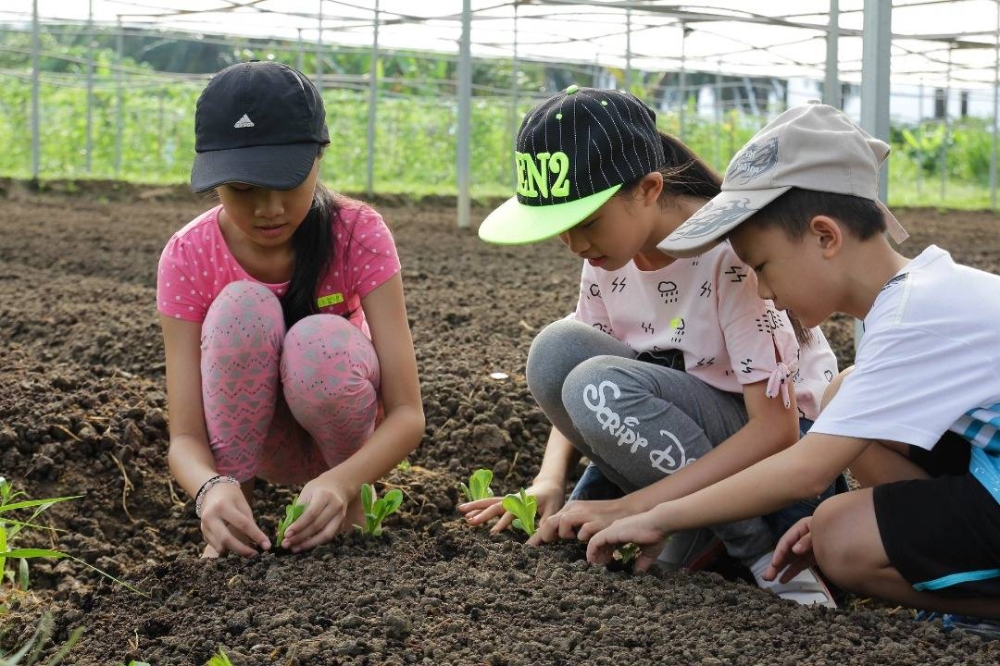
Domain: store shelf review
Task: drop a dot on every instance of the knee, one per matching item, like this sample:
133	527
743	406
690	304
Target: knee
548	363
244	311
834	543
834	387
327	353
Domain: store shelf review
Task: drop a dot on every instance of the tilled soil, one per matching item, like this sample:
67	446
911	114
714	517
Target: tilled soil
83	412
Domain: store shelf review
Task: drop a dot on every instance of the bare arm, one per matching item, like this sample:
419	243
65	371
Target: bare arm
227	520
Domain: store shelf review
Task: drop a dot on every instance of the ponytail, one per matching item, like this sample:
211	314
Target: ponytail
312	245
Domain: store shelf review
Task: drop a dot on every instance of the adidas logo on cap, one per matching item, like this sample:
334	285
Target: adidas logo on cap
243	122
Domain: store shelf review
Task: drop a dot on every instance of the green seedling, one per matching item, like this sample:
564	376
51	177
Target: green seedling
404	465
11	527
376	510
479	485
31	652
627	553
524	507
220	658
293	512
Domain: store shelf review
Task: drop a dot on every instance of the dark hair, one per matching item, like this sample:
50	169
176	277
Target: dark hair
683	173
793	210
312	246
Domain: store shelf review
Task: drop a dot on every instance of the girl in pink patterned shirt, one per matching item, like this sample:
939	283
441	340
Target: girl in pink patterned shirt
280	308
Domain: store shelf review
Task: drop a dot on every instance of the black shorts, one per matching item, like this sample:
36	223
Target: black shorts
942	534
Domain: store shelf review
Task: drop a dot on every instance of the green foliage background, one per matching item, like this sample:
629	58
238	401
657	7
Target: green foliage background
415	143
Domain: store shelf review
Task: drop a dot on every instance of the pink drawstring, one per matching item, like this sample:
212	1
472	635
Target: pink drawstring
778	383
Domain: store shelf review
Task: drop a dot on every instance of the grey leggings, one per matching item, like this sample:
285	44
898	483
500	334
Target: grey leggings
637	421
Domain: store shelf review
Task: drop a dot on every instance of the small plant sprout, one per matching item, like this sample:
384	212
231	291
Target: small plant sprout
479	485
11	527
404	465
376	510
524	507
627	553
220	658
293	512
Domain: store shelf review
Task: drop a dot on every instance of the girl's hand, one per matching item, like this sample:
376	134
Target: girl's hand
641	529
227	522
794	550
549	493
579	519
326	507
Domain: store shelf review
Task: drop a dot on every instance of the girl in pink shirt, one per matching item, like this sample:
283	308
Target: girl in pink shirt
670	375
280	309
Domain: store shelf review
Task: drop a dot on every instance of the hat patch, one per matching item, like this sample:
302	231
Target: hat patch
753	161
243	122
713	216
535	171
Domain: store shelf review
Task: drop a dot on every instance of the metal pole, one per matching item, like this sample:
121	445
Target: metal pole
875	69
920	151
831	86
464	115
716	139
120	41
628	50
89	147
319	50
512	121
683	80
36	120
373	105
996	127
300	56
943	153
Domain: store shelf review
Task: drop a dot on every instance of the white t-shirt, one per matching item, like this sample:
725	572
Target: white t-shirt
929	362
707	308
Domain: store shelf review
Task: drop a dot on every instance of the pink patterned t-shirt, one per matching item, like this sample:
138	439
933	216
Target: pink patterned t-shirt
196	264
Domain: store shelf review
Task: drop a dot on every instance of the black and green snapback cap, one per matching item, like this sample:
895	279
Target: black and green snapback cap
573	152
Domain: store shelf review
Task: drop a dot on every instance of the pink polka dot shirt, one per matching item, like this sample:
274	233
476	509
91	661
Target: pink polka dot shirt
196	264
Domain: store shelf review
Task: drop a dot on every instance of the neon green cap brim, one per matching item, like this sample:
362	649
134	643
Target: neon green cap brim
514	223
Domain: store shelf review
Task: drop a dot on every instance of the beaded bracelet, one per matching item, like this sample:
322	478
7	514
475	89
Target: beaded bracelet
199	499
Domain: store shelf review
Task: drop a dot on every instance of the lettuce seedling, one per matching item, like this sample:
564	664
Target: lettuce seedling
479	485
524	507
376	510
292	513
220	658
627	552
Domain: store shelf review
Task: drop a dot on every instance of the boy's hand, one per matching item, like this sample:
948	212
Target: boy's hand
548	493
227	522
579	519
641	529
326	507
794	550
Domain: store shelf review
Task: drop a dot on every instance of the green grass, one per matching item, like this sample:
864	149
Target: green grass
415	143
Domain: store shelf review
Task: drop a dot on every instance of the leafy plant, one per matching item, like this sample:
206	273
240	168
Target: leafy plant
220	658
479	485
376	510
31	652
11	527
292	513
627	553
524	507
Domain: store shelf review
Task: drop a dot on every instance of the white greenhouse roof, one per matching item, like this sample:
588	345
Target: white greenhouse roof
777	38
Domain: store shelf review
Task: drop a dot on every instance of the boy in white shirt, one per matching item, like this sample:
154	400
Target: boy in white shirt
916	420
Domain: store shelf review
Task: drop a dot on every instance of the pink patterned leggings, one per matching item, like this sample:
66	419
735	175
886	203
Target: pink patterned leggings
285	407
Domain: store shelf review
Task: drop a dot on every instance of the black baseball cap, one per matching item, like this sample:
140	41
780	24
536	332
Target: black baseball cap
573	152
260	123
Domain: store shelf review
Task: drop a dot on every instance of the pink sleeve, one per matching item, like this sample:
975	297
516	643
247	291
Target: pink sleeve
178	291
757	336
371	252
